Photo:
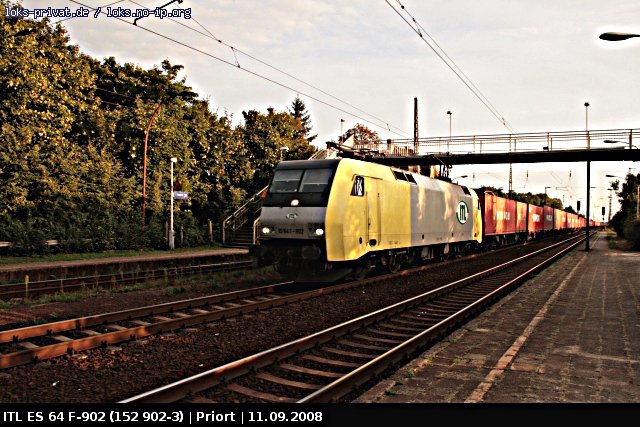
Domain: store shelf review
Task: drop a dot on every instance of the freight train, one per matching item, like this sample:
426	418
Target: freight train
323	220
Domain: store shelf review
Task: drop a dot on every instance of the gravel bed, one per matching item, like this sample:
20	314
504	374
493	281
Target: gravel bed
115	373
105	301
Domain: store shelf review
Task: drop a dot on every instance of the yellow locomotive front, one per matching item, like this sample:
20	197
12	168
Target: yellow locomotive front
324	219
291	232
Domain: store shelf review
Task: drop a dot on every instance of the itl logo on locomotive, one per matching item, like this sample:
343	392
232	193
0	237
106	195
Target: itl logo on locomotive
462	213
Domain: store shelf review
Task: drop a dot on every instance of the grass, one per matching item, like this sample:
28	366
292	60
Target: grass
97	255
63	297
5	305
171	291
231	276
454	339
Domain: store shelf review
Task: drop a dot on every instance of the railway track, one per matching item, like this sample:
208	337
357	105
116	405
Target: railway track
38	342
70	284
32	343
329	365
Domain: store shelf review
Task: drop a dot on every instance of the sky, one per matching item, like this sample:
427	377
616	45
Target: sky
532	63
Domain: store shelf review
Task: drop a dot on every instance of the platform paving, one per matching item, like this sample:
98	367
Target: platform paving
571	334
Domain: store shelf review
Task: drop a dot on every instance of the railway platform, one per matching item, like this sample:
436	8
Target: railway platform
10	273
571	334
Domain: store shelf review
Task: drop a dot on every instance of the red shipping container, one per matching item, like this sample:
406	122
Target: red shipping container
499	214
535	223
575	221
548	218
560	220
521	217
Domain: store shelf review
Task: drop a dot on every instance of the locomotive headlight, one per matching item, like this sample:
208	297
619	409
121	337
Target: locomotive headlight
295	202
315	229
267	230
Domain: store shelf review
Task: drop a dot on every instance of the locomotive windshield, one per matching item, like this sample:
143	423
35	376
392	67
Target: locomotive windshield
286	181
306	181
301	180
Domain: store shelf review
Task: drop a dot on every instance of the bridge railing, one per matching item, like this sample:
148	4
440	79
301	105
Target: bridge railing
501	143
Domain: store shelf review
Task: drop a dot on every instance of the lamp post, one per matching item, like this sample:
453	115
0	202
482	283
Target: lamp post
615	36
586	117
459	177
171	238
283	149
450	114
610	198
586	125
613	141
589	207
545	195
618	36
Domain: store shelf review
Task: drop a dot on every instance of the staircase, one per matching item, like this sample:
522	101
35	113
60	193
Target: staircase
243	237
239	229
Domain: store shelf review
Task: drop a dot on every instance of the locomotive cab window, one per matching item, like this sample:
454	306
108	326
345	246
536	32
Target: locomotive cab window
410	178
315	180
286	181
301	181
400	175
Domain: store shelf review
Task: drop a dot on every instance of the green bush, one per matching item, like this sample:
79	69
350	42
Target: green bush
632	232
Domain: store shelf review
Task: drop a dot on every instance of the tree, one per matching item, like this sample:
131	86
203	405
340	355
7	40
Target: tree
57	178
495	190
72	151
73	131
270	138
362	135
303	121
625	222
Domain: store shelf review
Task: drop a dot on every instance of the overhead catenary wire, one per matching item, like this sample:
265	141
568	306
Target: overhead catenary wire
256	74
556	177
419	30
209	34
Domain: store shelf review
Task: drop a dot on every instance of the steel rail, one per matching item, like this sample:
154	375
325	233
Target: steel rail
44	287
230	371
81	325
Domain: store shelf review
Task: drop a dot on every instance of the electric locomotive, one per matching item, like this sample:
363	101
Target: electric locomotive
322	220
